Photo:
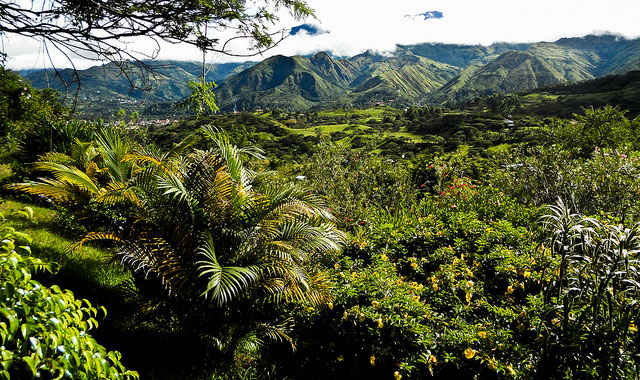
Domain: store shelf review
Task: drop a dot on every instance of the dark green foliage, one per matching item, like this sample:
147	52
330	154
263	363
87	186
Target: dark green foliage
356	183
33	122
447	271
43	330
621	90
589	309
422	284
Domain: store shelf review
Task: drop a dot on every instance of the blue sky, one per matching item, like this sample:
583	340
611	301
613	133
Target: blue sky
349	27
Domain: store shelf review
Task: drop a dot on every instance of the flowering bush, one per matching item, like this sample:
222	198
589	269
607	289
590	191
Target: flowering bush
431	289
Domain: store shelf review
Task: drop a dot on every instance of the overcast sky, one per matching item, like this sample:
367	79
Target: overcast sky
349	27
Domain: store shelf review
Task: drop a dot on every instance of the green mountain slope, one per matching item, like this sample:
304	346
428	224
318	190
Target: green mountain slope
410	78
166	81
621	90
543	64
461	55
297	83
413	74
285	82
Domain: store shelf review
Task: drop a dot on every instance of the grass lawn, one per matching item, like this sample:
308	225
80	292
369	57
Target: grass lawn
311	131
411	136
83	270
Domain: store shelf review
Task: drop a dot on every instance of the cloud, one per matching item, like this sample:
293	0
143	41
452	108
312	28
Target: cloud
310	29
426	15
350	27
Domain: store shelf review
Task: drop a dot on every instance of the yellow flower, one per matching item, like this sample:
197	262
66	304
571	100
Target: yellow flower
345	315
509	289
384	257
492	364
375	303
469	353
340	358
432	360
414	265
397	375
416	298
372	360
482	334
470	283
555	321
468	297
633	328
435	286
512	372
380	324
527	274
375	189
361	317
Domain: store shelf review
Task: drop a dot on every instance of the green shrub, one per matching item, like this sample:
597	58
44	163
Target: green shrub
589	309
435	287
43	330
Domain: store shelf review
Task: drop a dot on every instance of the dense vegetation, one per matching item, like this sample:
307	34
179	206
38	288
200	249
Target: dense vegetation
364	243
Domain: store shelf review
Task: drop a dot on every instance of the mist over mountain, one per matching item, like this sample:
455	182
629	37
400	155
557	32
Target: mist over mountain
429	73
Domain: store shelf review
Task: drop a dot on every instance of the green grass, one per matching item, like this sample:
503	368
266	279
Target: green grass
311	131
81	269
5	172
408	135
540	96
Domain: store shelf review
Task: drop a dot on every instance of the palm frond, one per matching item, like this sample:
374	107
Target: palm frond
57	191
225	283
56	157
174	187
118	192
114	149
70	175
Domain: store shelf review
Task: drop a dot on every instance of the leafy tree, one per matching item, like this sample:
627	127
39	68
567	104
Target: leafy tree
356	182
98	30
604	127
33	121
503	104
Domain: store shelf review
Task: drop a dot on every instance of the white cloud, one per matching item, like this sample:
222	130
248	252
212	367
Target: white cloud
358	25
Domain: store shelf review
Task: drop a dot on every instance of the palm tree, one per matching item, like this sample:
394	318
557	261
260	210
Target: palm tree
207	226
94	172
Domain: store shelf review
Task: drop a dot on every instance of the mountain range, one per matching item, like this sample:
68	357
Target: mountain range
429	73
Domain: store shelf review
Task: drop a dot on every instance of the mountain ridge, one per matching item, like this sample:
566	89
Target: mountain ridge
428	73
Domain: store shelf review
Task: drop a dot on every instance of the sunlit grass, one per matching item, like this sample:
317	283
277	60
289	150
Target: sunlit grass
88	266
312	131
5	172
